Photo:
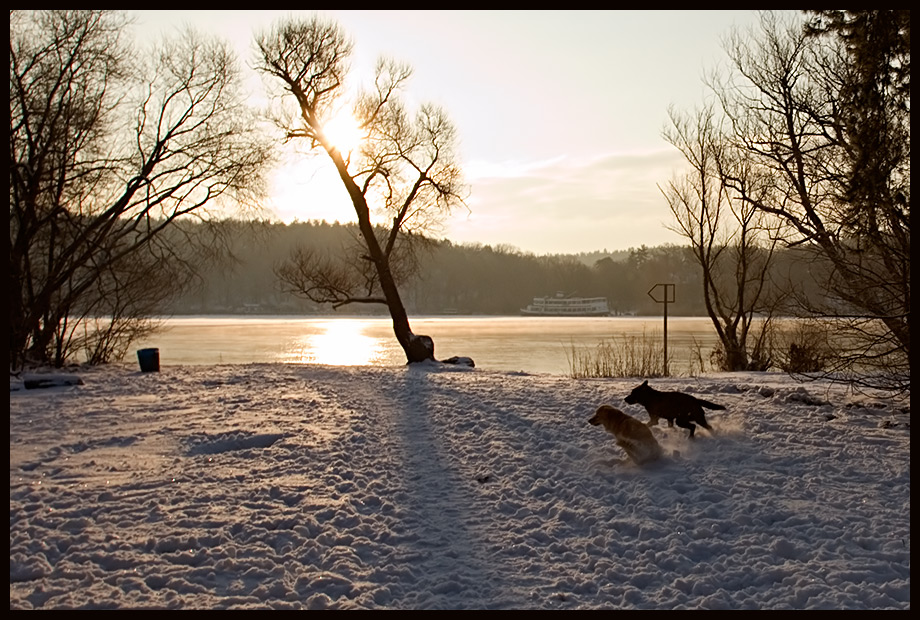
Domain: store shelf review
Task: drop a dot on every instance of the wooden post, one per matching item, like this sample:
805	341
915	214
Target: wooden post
667	297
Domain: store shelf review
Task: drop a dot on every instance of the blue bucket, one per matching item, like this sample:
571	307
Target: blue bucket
149	359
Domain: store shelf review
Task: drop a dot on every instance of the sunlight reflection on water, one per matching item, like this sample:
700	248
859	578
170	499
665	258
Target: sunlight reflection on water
338	343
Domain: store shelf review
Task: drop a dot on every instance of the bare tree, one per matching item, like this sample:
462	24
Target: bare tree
109	147
730	240
405	169
797	105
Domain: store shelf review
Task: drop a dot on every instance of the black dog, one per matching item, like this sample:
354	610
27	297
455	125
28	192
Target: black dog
675	407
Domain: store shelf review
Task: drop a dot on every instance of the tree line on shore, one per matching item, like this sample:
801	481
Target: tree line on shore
451	278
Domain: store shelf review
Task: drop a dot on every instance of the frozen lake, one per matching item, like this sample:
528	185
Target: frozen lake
509	343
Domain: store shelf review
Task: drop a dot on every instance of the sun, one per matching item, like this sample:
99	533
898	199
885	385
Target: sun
344	132
310	188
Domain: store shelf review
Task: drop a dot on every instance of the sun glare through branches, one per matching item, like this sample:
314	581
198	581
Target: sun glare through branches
344	132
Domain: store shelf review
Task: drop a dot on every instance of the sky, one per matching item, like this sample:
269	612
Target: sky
559	113
285	486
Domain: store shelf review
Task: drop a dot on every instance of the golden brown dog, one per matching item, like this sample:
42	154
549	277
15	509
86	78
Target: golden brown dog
632	435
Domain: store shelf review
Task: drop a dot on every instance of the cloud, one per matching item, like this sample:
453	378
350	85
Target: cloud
569	204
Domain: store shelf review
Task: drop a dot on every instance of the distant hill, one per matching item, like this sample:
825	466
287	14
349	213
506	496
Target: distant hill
454	278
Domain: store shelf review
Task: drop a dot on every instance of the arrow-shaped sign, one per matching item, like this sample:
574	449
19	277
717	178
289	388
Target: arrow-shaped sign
664	291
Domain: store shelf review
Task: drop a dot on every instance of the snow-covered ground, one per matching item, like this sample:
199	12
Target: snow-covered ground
434	487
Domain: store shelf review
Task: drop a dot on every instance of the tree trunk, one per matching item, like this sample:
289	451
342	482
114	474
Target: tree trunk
736	358
417	348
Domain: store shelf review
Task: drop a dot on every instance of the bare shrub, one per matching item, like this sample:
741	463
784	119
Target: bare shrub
805	348
698	363
104	340
620	356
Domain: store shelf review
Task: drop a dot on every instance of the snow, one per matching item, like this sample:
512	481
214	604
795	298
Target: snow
447	487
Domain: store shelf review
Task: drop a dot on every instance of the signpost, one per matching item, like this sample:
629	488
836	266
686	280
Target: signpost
663	294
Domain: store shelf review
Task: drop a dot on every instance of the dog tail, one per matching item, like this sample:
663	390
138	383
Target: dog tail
708	405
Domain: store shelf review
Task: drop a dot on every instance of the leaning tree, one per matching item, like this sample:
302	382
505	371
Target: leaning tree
401	179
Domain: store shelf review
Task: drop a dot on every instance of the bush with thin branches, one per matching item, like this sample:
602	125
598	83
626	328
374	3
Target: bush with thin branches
620	356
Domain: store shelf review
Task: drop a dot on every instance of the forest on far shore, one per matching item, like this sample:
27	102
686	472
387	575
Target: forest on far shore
452	278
